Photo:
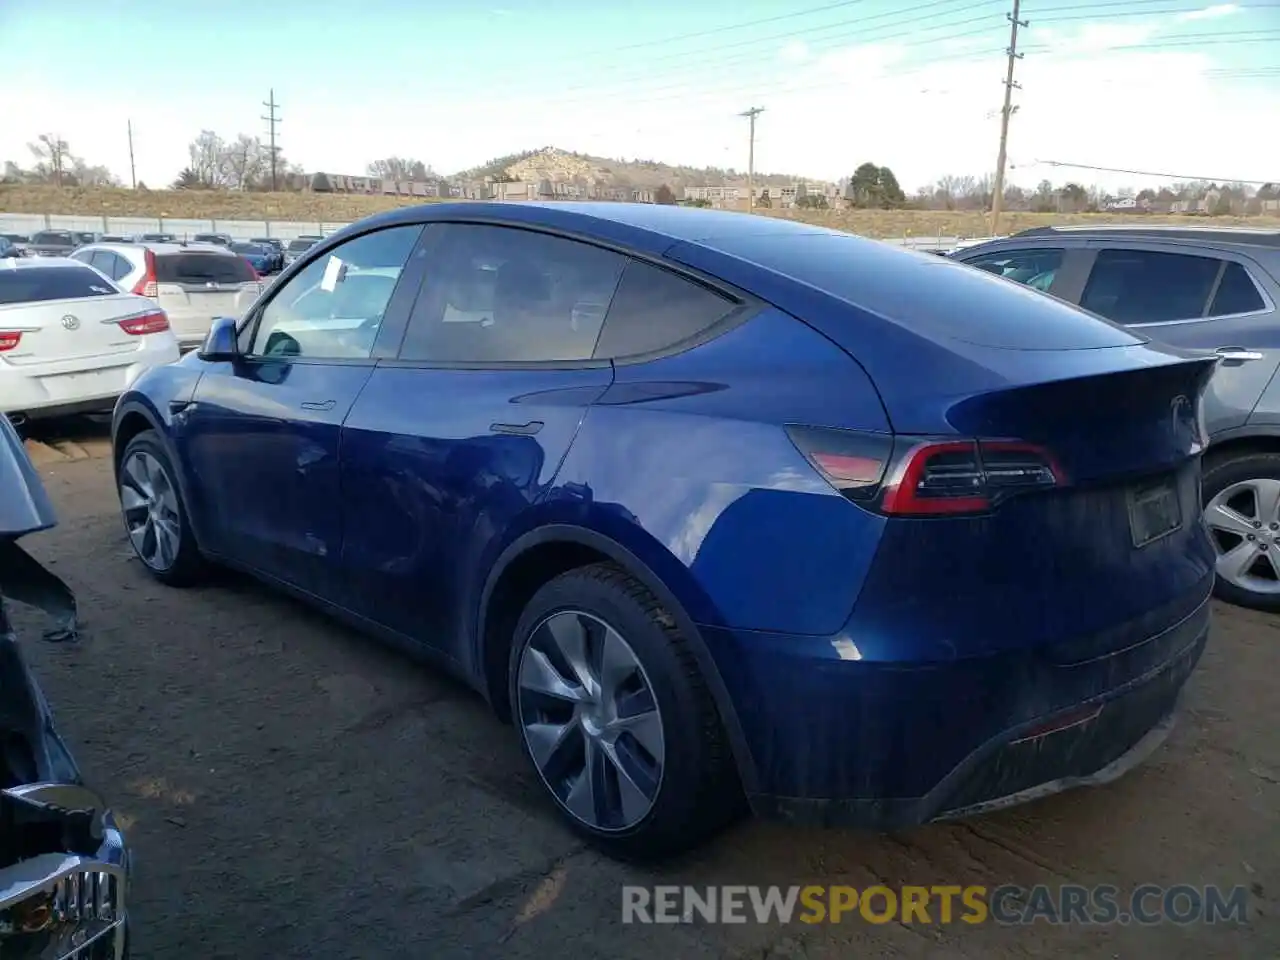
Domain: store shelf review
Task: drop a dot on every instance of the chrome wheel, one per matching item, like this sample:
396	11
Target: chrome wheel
1244	521
150	506
590	721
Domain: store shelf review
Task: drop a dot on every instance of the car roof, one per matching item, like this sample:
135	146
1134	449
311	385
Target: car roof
646	227
162	249
24	263
1252	236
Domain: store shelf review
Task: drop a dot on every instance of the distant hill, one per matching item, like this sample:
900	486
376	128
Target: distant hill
552	163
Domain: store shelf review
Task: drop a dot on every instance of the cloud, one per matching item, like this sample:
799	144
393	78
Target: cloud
794	51
1214	12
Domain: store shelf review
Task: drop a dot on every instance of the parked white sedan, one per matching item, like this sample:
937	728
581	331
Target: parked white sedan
70	340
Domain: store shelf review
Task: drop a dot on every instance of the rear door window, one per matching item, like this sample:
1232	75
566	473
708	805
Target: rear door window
37	284
500	294
655	309
202	269
1036	268
1150	286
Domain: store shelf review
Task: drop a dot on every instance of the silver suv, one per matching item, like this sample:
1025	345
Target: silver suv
1207	290
192	282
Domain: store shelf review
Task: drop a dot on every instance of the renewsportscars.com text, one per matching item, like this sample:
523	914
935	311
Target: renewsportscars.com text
1007	905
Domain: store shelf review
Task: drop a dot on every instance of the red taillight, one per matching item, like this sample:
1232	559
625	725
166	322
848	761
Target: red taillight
147	287
910	476
9	339
256	276
156	322
966	476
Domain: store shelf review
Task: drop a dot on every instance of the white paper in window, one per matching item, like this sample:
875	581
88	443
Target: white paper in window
332	275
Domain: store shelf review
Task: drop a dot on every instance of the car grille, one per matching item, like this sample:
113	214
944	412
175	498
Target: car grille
80	916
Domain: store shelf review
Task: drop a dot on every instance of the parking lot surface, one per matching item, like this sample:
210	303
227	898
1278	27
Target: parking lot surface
292	789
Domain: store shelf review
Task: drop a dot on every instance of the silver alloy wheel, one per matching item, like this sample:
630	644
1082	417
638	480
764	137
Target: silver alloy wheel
590	720
1244	521
150	507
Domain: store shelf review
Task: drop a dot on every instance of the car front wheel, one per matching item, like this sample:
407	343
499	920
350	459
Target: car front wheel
614	716
153	513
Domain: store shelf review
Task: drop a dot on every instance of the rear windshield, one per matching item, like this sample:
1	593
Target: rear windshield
297	246
51	238
202	268
934	297
157	237
34	284
252	249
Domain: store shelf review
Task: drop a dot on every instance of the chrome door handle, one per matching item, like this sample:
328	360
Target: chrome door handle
1237	354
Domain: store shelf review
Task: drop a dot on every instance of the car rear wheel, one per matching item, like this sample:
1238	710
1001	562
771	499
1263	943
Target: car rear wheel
154	517
614	716
1242	511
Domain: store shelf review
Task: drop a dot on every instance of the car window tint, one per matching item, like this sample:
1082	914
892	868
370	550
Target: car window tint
103	260
1148	286
655	309
1237	293
1035	268
202	268
499	294
333	308
35	284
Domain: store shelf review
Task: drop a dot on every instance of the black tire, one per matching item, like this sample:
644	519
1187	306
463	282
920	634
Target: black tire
1219	474
188	567
699	791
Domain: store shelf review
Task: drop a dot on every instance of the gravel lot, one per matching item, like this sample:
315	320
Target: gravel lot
292	789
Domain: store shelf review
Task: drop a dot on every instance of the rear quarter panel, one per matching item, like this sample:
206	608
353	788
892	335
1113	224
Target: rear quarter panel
685	462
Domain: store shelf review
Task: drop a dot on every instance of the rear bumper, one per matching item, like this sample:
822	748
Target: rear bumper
864	745
60	387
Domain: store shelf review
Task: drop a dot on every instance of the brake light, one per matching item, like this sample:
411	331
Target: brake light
9	339
147	286
253	272
923	477
155	322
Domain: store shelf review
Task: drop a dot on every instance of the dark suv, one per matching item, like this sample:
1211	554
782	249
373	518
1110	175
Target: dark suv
1201	289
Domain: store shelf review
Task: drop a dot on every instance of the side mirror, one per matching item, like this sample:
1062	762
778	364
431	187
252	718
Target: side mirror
221	342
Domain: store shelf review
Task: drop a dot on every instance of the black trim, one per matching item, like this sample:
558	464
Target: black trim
569	533
1246	431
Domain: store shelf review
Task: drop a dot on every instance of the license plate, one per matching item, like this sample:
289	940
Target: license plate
1154	512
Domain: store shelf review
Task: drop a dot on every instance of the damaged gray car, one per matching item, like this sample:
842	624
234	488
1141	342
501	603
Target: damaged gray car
63	864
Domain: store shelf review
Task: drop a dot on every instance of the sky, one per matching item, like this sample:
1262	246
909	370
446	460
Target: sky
1154	86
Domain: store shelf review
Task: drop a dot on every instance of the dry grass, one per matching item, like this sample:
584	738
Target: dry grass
342	208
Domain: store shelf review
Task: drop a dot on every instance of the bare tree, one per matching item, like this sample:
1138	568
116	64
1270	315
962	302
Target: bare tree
208	155
245	161
86	175
53	157
399	168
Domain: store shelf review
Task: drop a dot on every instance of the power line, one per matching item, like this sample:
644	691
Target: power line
1148	173
272	122
716	31
997	193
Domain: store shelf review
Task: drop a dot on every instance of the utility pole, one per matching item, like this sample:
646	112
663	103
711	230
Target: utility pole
272	122
133	171
997	199
751	154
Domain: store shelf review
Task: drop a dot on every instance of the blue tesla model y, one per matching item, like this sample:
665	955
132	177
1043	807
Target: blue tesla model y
712	507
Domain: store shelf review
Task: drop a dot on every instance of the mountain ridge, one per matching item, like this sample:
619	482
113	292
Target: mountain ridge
559	165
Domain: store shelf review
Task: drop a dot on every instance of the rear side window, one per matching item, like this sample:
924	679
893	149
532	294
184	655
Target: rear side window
36	284
1237	293
1149	286
1035	268
655	309
202	268
297	246
54	239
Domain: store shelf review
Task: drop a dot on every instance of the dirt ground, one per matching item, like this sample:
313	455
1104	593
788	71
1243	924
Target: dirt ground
292	789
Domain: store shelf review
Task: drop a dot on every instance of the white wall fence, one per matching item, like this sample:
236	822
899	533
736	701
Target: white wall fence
29	223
